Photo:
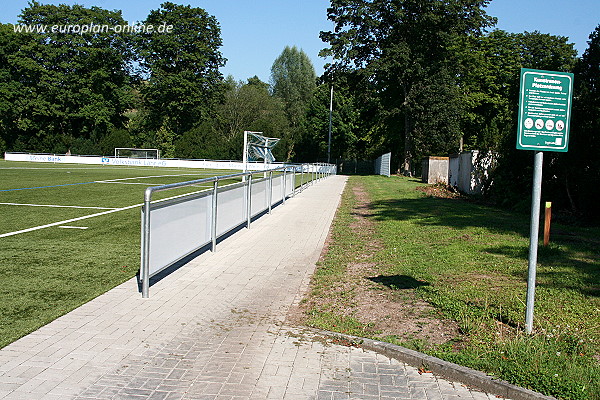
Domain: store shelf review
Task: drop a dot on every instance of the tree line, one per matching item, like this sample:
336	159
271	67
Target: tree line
87	91
434	77
414	77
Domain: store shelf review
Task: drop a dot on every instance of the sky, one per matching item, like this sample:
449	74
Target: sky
255	32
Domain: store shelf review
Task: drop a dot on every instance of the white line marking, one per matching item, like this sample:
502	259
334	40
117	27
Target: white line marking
142	183
35	228
73	227
142	177
131	183
56	206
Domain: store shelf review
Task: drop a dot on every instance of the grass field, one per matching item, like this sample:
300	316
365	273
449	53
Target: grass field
468	262
49	270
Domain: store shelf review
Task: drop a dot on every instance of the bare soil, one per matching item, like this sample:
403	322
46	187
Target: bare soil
441	190
386	305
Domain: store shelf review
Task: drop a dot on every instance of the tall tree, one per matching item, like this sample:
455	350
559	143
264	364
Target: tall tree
182	61
401	45
293	80
246	106
489	73
512	177
71	87
576	174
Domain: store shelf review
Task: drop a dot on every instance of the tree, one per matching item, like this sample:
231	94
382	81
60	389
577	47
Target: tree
246	106
63	85
401	45
576	174
497	89
11	89
488	80
294	81
183	61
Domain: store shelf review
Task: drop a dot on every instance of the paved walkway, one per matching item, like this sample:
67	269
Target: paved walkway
215	329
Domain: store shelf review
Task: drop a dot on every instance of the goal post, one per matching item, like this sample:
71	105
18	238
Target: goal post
132	152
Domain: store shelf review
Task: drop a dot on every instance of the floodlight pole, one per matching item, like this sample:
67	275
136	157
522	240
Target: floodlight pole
330	113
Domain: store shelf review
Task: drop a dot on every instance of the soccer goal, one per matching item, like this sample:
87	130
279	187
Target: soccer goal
131	152
257	147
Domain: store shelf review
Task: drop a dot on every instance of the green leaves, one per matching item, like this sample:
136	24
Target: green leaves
294	81
65	85
401	48
183	64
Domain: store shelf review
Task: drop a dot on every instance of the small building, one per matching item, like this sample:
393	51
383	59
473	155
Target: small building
468	170
435	169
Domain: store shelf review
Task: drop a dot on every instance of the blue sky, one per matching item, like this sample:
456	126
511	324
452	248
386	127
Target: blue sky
255	32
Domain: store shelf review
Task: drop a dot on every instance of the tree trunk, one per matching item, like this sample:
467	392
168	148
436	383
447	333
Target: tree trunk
571	201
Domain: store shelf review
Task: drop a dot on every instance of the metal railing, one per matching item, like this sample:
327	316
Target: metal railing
190	222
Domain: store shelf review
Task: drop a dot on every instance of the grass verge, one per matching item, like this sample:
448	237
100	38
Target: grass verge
469	263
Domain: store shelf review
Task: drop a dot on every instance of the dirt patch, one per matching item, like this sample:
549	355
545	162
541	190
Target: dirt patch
440	190
387	306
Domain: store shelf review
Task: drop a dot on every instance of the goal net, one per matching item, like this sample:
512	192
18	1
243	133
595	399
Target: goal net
130	152
257	147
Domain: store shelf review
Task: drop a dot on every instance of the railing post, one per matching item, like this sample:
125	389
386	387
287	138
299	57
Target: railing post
293	181
249	202
270	190
213	228
283	186
302	177
145	267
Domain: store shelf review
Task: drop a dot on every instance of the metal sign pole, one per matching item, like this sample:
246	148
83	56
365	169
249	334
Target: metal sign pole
536	196
543	125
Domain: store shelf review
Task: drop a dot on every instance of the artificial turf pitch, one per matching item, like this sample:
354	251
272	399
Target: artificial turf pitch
69	233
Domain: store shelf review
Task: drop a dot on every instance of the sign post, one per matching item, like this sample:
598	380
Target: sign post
544	120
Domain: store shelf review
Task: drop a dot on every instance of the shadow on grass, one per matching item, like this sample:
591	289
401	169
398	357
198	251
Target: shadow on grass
450	212
571	259
398	282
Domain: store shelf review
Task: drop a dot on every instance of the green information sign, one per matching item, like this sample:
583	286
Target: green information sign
544	110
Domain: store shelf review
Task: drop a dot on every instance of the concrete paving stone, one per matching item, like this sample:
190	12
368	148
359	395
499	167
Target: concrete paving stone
92	391
49	396
126	396
64	391
211	388
156	395
418	393
176	374
276	392
235	391
395	392
173	385
174	396
154	372
482	396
